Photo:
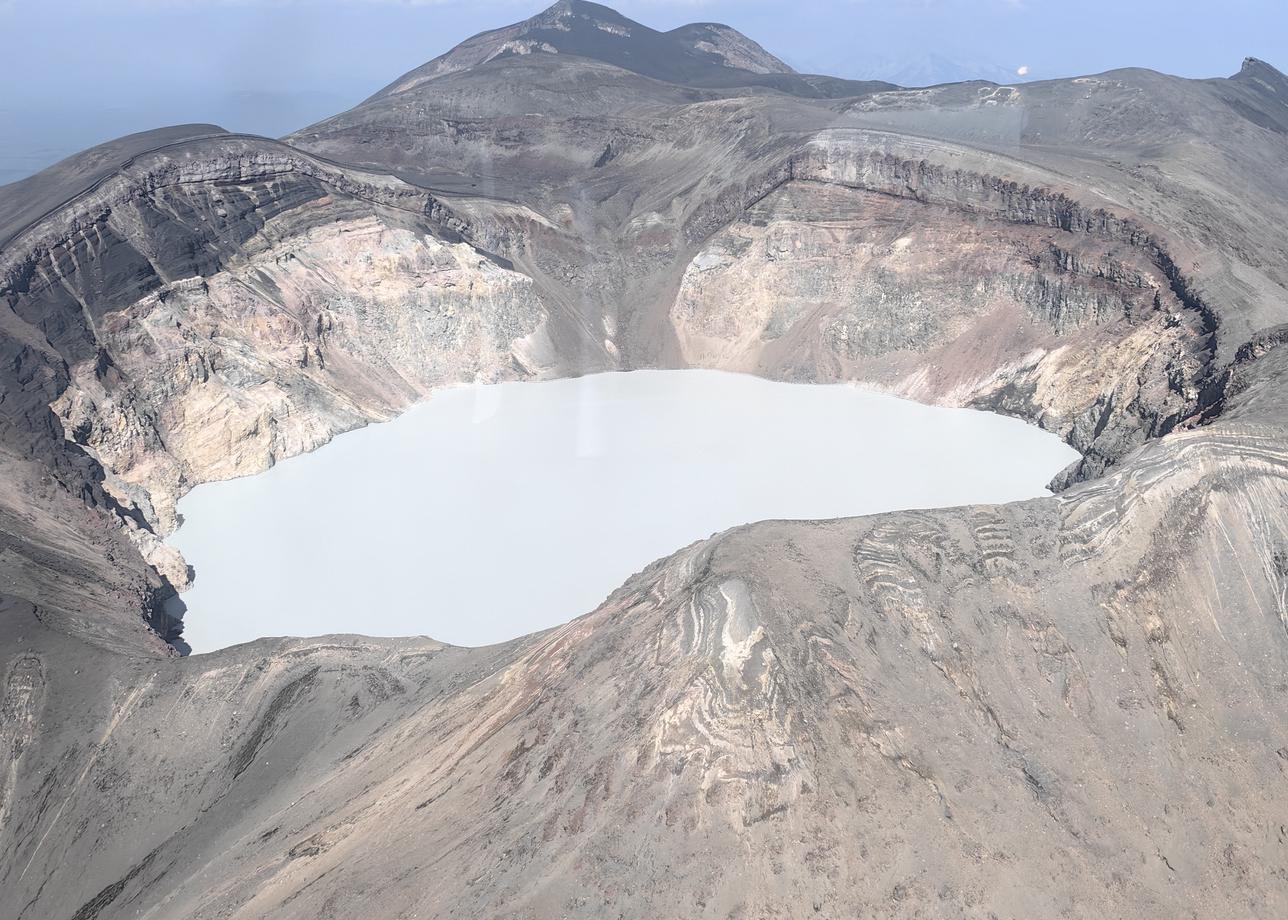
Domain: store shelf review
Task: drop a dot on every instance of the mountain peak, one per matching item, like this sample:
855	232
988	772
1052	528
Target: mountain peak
730	46
581	9
1260	74
699	54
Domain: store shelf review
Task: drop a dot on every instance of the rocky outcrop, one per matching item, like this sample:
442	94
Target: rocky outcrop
344	323
211	316
956	288
20	703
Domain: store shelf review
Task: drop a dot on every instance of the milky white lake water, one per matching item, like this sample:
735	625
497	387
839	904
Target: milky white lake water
489	512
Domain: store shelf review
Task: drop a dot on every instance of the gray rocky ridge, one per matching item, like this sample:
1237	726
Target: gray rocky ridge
1069	707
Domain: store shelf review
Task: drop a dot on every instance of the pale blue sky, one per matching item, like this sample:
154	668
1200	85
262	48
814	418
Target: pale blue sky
81	71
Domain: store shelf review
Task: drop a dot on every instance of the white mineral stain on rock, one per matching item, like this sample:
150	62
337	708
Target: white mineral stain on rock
493	511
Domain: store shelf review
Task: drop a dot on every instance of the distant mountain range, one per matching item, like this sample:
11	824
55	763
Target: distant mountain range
35	133
922	69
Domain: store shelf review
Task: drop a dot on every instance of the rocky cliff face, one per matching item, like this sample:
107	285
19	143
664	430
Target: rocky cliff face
954	288
281	301
1067	707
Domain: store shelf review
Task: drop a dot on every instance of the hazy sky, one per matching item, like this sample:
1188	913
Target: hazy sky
81	71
